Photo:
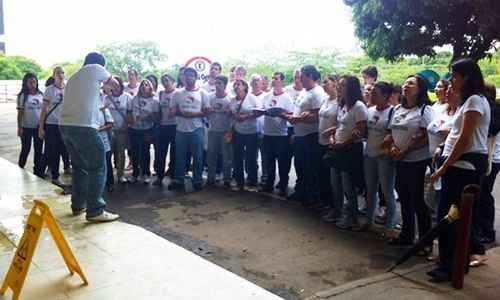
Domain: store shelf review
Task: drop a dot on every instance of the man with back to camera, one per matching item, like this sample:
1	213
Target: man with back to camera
79	123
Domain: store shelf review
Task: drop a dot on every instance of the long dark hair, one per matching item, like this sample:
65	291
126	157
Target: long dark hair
422	95
351	91
473	78
24	88
120	84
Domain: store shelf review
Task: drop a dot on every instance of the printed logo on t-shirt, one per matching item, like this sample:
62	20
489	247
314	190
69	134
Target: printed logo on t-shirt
190	99
218	106
273	103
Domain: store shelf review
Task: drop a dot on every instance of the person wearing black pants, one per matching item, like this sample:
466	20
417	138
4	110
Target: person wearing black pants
166	130
486	204
49	124
29	102
465	156
275	141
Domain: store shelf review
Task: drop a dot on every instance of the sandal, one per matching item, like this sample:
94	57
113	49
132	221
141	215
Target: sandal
477	260
424	252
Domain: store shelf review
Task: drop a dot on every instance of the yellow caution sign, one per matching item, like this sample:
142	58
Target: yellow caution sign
19	267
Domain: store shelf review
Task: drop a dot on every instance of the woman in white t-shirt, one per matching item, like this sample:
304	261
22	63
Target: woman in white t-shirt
407	141
348	146
142	113
330	196
245	109
441	89
465	156
49	124
117	104
29	104
379	167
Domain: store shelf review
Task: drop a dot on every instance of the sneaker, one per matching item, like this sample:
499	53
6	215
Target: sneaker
146	179
122	180
133	179
104	217
68	171
77	212
331	217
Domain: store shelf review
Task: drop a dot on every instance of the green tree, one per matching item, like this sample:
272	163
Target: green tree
26	65
392	28
146	57
9	69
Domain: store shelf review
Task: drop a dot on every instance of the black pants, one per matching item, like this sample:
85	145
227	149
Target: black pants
454	180
245	157
307	161
410	188
166	139
139	147
31	134
54	149
276	149
486	206
325	184
110	179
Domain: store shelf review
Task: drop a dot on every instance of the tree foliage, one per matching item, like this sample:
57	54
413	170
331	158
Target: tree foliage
14	67
145	57
392	28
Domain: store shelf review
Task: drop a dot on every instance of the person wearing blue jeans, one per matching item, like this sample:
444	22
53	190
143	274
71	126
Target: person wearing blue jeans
79	122
379	167
190	106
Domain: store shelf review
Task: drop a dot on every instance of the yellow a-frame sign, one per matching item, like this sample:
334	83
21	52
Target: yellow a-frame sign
40	214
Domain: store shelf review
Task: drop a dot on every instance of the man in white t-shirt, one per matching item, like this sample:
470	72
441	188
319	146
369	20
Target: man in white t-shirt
306	145
215	70
79	124
258	92
275	141
189	105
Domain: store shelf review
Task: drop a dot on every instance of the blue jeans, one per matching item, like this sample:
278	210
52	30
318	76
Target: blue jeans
337	192
189	142
380	170
349	189
88	158
216	145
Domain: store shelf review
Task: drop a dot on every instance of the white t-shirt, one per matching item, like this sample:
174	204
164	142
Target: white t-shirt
307	101
53	96
209	88
220	119
118	108
105	117
496	150
378	122
166	103
143	108
435	131
247	106
293	93
132	91
405	124
480	135
190	101
439	108
260	120
347	120
327	118
82	97
31	109
276	126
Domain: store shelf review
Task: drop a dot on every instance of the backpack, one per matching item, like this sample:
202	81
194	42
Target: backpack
494	127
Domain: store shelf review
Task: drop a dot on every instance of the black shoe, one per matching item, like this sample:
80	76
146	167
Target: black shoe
487	240
197	186
175	186
439	275
283	193
398	241
295	197
158	182
266	189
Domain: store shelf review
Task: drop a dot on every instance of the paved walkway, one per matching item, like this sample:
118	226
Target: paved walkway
121	261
